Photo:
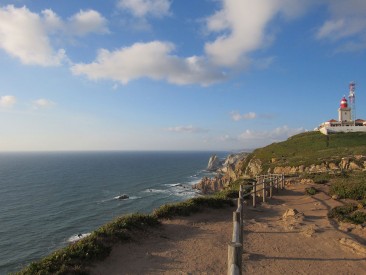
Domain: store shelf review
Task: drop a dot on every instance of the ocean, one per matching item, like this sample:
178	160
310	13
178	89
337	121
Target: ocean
47	199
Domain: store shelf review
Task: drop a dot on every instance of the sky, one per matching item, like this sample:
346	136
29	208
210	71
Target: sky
175	74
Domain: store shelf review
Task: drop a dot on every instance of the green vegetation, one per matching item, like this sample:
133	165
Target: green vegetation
311	191
348	213
75	258
350	186
310	148
318	178
190	206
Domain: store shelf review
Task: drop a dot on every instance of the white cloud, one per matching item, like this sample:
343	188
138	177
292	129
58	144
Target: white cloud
237	116
142	8
23	35
85	22
42	103
187	129
347	25
7	101
153	60
277	134
242	27
26	35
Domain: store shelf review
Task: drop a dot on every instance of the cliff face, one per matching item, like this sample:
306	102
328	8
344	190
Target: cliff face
237	166
350	163
213	163
227	172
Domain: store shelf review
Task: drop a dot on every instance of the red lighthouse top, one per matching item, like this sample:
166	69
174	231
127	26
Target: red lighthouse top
344	103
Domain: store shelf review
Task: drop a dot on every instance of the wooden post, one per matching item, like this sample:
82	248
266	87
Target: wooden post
234	257
241	192
282	181
271	187
237	229
264	189
254	194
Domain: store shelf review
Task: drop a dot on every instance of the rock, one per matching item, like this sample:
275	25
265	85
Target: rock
357	247
214	163
210	185
290	213
123	197
335	197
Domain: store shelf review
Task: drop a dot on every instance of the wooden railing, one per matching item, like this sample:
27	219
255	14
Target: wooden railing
264	185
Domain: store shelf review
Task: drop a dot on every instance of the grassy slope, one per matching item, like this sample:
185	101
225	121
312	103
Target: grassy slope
311	148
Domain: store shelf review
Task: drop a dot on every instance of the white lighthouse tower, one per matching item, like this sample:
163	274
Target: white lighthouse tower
344	112
347	121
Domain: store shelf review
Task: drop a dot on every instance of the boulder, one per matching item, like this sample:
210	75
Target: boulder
290	213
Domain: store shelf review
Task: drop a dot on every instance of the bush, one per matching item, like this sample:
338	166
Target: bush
311	191
349	189
190	206
342	213
357	217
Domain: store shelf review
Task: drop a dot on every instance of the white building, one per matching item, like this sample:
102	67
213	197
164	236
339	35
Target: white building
344	123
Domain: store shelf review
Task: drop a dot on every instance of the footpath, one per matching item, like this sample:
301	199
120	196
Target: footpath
306	242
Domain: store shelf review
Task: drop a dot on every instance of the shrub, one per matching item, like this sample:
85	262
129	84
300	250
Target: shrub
350	188
311	191
343	212
357	217
194	205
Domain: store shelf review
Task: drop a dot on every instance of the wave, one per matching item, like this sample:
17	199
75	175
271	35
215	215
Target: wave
75	238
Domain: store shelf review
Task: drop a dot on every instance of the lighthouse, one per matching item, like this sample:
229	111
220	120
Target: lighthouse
346	117
344	112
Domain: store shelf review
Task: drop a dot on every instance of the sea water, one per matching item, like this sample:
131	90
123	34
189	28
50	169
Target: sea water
48	199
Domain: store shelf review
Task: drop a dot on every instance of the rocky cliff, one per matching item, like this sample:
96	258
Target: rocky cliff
227	171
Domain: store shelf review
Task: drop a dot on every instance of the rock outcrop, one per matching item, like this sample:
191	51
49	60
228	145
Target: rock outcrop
213	163
227	171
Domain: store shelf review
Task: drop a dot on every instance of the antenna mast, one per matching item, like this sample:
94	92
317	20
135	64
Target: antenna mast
352	100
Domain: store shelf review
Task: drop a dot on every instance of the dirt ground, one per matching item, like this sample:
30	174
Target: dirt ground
305	243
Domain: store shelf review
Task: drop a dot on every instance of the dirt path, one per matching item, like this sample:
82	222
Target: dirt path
307	243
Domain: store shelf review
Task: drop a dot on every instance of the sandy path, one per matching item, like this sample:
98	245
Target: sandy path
304	244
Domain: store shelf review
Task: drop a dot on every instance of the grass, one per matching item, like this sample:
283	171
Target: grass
321	178
350	186
348	213
75	258
310	148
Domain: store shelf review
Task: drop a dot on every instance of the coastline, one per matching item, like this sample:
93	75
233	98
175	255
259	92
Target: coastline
63	195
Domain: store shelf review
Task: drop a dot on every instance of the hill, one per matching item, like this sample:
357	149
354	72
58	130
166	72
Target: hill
309	152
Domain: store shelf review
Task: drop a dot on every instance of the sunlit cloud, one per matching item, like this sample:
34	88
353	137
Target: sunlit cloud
154	60
7	101
26	35
242	28
85	22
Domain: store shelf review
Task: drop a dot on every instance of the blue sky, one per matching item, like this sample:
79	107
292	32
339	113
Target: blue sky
174	74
